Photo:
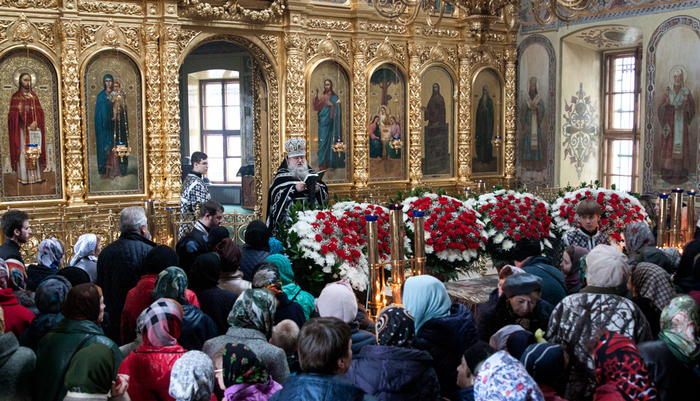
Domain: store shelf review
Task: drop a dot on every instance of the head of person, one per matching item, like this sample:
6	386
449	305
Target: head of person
84	302
49	253
545	362
229	255
216	235
159	258
607	266
522	291
425	298
652	282
678	79
337	300
133	220
533	88
211	213
395	327
25	81
254	309
499	339
327	86
485	91
205	272
518	342
617	361
503	378
117	86
325	346
192	377
375	120
637	236
257	236
571	260
436	88
589	212
285	335
15	225
674	259
75	275
5	278
680	328
275	245
472	359
393	120
199	161
51	294
87	245
91	370
504	273
171	283
525	249
108	82
238	364
163	323
284	267
266	276
296	158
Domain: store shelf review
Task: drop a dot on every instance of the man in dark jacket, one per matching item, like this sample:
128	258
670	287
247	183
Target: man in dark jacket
120	266
527	255
195	242
15	226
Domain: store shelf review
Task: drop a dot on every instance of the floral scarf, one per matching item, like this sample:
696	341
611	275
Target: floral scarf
85	247
254	309
267	276
170	283
51	294
163	323
637	236
680	322
192	377
617	361
395	327
242	365
49	253
503	378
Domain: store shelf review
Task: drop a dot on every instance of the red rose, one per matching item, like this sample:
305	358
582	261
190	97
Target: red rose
319	238
327	230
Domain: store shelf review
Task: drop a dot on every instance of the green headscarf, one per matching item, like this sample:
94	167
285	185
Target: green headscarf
171	283
680	322
254	309
91	370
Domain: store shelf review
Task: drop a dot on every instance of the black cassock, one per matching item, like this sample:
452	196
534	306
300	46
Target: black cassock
283	192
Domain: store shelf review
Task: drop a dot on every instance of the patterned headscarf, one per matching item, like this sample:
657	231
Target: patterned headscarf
503	378
170	283
395	327
84	247
192	377
242	365
51	293
4	275
83	303
91	370
654	283
49	253
544	362
163	323
425	297
254	309
266	275
680	322
284	266
673	255
637	236
617	361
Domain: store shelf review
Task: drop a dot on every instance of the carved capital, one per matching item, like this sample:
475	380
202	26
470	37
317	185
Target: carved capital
511	55
294	41
171	33
360	47
69	30
151	33
414	49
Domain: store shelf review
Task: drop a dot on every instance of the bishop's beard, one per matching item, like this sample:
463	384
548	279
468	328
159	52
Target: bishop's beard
533	93
299	173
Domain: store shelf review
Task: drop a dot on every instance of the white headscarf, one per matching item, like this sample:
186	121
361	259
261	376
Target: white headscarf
84	247
192	377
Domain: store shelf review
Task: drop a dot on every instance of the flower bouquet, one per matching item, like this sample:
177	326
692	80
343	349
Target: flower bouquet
454	235
619	210
511	216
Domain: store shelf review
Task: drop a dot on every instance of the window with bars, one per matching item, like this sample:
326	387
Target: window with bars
221	128
621	120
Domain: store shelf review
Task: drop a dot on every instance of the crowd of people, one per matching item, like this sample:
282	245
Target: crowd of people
210	320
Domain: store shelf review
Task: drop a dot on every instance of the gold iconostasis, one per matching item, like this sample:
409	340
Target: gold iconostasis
91	94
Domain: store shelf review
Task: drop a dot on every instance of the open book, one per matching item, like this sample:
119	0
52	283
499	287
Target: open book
316	177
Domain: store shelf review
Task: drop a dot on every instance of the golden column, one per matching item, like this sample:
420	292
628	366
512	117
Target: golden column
172	165
661	224
464	143
511	58
295	44
414	114
151	36
360	148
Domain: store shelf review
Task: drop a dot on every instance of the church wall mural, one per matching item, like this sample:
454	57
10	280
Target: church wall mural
487	109
536	112
437	100
672	93
387	124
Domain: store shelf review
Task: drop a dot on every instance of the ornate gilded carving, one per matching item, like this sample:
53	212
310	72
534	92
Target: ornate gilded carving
4	26
22	30
447	55
464	161
272	43
232	11
151	35
387	51
387	28
186	36
47	34
110	37
414	115
110	8
87	38
296	102
75	186
171	113
439	32
257	140
511	56
490	36
359	84
484	55
132	38
29	3
329	24
328	47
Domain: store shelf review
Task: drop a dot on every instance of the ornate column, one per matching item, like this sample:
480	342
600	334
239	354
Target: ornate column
295	44
511	57
414	114
464	141
151	35
360	148
75	181
171	114
257	142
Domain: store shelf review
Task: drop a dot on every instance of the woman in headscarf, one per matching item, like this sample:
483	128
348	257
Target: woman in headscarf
621	371
251	321
17	317
684	275
256	248
652	290
91	376
85	253
637	236
673	361
267	276
49	297
197	327
503	378
571	267
293	291
499	341
83	312
231	278
203	280
16	366
149	367
546	364
393	370
339	300
49	257
192	378
444	330
244	376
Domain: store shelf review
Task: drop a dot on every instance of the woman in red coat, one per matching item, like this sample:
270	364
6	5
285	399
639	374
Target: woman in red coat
620	371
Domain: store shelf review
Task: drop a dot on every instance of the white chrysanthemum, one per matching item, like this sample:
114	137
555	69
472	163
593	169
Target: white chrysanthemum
507	245
498	238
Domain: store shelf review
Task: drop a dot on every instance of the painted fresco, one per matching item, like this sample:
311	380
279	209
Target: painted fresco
437	100
487	117
387	125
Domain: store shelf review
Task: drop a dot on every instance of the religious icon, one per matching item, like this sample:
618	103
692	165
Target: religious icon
375	141
532	123
26	132
387	102
330	126
436	94
675	113
487	118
